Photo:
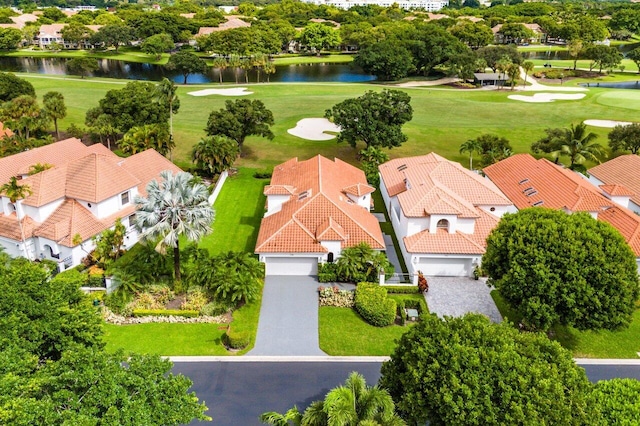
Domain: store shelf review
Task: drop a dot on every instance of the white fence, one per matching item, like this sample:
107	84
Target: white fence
216	190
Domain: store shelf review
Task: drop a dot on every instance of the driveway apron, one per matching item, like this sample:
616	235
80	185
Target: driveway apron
288	324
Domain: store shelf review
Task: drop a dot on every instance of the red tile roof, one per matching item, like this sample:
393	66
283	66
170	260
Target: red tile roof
624	171
530	182
317	210
96	177
617	190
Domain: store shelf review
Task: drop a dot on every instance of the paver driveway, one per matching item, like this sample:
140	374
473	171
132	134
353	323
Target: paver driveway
455	296
288	324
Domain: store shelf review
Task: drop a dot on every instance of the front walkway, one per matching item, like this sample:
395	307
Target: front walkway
288	324
456	296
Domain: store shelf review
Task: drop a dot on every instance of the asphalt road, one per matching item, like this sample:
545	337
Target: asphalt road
238	392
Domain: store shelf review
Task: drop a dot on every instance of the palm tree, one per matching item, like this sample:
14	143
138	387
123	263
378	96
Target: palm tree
353	404
54	108
470	146
221	64
528	67
215	154
166	93
246	65
141	138
259	61
269	68
15	192
291	417
38	167
174	207
579	146
235	62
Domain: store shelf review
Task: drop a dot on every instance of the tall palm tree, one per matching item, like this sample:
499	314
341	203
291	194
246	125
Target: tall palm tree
221	64
353	404
579	146
174	207
235	62
166	93
215	154
470	146
528	67
292	417
16	192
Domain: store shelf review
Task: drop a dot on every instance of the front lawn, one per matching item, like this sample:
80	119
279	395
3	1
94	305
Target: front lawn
344	333
623	343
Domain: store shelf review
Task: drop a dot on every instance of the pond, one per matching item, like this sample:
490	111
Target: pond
318	72
622	85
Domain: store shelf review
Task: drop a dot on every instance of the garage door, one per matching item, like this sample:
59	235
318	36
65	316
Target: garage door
291	265
446	267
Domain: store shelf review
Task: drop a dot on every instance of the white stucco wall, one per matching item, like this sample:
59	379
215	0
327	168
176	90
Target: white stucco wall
42	213
275	202
499	211
466	225
334	247
364	201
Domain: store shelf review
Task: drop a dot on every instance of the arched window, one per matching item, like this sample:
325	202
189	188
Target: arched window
443	224
330	257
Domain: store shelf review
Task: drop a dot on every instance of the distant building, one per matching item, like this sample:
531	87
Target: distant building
428	5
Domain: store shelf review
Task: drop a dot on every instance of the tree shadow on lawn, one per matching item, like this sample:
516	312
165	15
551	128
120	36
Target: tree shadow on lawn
254	220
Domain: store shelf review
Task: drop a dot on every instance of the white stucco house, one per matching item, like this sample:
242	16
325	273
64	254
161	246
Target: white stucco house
82	194
314	209
441	212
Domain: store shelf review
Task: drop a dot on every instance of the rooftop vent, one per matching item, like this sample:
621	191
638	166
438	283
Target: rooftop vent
402	167
529	194
528	189
538	203
525	180
303	195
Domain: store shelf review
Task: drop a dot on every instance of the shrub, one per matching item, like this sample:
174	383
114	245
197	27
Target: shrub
422	283
420	305
195	301
161	293
215	308
165	313
116	303
262	174
146	301
236	339
372	304
402	289
327	273
333	296
401	312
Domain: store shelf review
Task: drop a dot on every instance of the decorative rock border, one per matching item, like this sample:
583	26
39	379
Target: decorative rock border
116	319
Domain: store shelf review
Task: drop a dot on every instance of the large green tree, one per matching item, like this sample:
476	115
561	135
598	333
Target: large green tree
573	142
76	33
607	57
351	404
186	63
12	87
557	268
317	36
470	371
375	118
473	34
24	116
239	119
113	35
625	137
54	108
386	60
174	207
54	369
157	44
148	136
10	38
215	154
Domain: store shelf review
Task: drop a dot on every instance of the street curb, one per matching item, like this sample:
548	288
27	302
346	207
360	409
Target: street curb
597	361
277	358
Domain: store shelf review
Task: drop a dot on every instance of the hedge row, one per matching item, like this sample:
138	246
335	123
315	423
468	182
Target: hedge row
236	339
402	289
373	305
165	313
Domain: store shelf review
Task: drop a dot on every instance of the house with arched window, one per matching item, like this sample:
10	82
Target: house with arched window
441	212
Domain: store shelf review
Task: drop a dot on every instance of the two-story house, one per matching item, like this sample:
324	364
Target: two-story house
314	209
81	193
441	212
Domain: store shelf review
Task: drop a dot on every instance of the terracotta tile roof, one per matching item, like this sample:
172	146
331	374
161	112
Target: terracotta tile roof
71	219
231	23
625	221
46	186
146	166
623	170
617	190
533	27
318	196
5	131
9	227
279	190
438	184
530	182
359	189
102	178
330	230
56	154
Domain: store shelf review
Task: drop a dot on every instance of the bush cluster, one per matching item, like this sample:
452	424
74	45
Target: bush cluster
373	305
408	303
333	296
327	273
402	289
195	301
165	313
236	339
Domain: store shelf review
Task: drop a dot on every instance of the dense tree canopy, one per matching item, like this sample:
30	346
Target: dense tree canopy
556	267
375	118
12	87
618	400
386	60
469	371
186	63
157	44
625	137
239	119
215	154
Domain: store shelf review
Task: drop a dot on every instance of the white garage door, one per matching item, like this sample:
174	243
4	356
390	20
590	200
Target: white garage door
291	265
446	267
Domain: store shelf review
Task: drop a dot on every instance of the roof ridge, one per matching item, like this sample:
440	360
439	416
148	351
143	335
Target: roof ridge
366	231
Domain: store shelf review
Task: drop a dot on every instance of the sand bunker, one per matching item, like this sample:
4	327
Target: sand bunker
313	129
548	97
610	124
236	91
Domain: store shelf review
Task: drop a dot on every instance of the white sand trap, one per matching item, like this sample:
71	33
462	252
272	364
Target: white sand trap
313	129
236	91
548	97
610	124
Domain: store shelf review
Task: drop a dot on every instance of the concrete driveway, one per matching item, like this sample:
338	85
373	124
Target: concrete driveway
288	324
455	296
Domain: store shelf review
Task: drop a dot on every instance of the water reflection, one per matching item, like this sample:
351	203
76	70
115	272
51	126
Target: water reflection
135	71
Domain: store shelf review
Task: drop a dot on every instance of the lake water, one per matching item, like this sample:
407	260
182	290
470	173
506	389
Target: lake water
622	85
346	73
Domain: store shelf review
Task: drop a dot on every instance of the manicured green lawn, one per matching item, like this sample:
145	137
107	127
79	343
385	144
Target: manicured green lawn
306	59
344	333
623	343
166	339
123	54
443	118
